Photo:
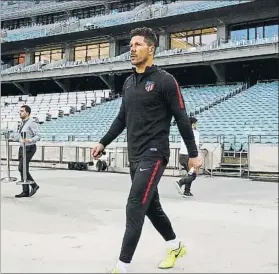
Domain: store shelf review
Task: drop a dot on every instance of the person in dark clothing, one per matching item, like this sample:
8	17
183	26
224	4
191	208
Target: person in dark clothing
32	136
183	160
151	97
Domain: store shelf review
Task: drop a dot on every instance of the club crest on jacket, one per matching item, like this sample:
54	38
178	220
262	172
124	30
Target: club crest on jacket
150	85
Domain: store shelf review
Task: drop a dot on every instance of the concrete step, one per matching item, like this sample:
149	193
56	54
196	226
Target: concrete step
235	168
225	174
233	165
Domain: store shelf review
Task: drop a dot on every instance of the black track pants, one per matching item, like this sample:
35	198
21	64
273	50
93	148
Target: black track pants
30	151
144	200
188	179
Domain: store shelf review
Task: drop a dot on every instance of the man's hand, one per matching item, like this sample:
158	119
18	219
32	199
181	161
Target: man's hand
25	141
96	151
196	163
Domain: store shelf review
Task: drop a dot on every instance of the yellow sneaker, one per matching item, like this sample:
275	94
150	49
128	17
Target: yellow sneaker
173	255
116	270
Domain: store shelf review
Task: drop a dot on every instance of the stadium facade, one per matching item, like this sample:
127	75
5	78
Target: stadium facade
60	51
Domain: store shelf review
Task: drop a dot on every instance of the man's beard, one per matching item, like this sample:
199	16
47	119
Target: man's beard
138	63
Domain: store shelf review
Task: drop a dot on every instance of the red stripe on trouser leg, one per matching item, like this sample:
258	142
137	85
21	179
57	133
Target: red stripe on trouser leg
181	103
150	182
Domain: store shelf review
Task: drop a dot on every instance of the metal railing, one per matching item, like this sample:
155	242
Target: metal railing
118	154
259	138
212	158
204	167
117	158
240	159
65	154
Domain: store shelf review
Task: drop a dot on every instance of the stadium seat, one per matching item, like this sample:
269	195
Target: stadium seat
235	113
75	24
50	107
251	112
182	7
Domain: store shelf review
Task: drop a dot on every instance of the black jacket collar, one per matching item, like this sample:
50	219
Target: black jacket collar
148	70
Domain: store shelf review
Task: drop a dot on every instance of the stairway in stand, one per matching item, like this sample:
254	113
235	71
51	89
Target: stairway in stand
230	166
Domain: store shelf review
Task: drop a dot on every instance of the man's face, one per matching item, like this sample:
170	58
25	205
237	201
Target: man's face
194	126
140	51
22	113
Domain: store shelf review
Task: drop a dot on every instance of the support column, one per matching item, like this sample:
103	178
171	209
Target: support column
220	72
69	52
222	34
164	41
112	49
68	14
29	58
112	82
63	86
24	88
108	7
34	20
106	79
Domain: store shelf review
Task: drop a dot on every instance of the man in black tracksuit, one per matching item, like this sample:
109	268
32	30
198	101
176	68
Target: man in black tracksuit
151	97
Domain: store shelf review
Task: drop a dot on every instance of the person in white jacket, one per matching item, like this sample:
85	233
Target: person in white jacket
183	160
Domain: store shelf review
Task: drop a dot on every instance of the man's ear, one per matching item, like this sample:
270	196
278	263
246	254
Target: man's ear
152	50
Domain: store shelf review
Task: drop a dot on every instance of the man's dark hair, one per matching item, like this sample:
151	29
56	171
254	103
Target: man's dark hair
149	35
193	120
27	109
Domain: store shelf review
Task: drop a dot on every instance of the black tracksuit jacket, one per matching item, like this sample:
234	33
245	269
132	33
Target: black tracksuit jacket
150	99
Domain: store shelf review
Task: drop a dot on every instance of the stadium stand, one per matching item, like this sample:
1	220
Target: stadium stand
228	110
200	99
88	126
126	56
252	112
181	8
49	106
219	53
40	30
27	8
112	19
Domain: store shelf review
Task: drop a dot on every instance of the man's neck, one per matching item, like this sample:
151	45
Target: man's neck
142	67
26	118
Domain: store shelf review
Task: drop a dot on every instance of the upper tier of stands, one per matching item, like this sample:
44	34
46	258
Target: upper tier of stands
42	66
33	7
141	14
180	7
231	111
12	6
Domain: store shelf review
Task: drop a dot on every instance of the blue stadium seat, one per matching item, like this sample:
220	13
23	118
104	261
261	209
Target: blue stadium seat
75	24
204	5
251	112
227	110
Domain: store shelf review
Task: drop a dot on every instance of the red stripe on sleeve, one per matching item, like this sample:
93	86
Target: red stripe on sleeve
180	97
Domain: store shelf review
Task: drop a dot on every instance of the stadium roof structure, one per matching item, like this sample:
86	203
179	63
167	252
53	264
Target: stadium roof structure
159	24
25	8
